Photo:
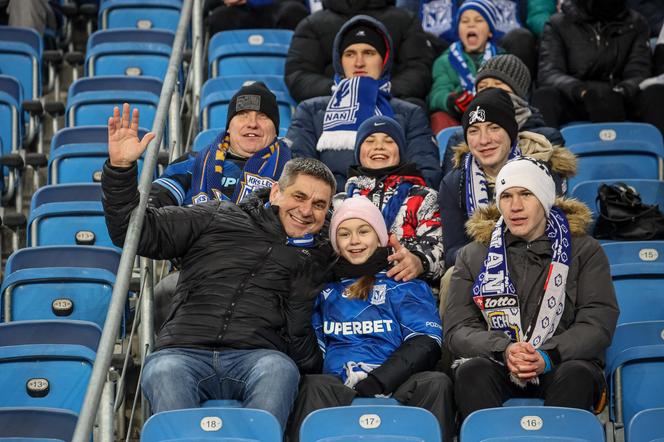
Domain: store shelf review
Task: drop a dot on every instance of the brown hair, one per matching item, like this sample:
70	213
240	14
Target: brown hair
360	288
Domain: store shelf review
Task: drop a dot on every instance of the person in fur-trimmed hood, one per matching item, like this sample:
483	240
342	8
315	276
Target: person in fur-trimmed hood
531	306
396	186
491	133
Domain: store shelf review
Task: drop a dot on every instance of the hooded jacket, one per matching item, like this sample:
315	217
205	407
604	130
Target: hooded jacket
235	283
451	195
307	124
577	49
309	64
417	224
591	310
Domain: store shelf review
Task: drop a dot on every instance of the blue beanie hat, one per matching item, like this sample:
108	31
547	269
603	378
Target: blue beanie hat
484	7
386	125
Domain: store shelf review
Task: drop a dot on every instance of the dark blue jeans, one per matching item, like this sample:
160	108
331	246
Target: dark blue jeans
177	378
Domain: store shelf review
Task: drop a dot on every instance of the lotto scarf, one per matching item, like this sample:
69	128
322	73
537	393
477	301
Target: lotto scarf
495	294
354	100
455	56
477	194
263	169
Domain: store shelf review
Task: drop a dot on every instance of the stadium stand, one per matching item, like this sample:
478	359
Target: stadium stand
141	14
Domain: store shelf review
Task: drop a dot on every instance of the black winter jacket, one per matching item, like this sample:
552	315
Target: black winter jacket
236	273
576	49
309	69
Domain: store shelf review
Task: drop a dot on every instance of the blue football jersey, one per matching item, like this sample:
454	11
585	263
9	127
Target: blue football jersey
370	331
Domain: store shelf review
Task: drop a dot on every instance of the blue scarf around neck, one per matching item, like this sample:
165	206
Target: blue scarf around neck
455	57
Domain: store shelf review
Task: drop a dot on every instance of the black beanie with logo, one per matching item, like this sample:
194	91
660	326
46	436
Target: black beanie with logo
491	105
257	97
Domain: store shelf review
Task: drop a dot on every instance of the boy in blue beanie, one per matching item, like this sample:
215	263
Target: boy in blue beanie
454	71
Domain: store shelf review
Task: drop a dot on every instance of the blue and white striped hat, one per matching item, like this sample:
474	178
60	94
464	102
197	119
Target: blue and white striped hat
484	7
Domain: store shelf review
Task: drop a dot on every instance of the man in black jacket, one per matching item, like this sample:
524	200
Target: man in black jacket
309	64
238	328
593	56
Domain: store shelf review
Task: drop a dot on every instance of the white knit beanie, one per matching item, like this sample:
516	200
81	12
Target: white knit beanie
530	174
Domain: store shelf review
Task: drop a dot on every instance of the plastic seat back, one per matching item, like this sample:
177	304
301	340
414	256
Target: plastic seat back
249	51
204	139
220	424
532	424
91	100
36	424
610	132
140	14
132	52
370	423
637	270
635	363
20	57
646	426
78	154
59	282
67	214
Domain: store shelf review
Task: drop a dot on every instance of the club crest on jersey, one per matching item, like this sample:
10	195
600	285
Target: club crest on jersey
200	198
378	294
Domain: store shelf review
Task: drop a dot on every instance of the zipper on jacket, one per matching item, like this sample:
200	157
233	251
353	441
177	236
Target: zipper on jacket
239	291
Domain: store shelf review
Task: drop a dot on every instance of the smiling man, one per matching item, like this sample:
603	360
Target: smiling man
234	328
531	306
244	157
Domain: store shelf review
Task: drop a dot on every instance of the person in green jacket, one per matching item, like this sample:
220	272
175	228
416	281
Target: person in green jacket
454	71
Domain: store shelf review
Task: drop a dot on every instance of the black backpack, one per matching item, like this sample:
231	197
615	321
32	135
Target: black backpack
623	216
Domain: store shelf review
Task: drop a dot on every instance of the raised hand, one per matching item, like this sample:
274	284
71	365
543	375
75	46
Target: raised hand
124	147
407	265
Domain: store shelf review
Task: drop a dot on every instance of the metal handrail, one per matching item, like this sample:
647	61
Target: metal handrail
119	297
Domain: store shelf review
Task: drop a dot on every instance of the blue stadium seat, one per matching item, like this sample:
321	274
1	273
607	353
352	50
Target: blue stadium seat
611	132
11	130
646	426
651	191
214	106
617	156
220	424
634	366
203	139
21	57
132	52
78	154
59	282
141	14
91	100
249	51
374	401
36	424
637	270
370	423
221	403
46	363
67	214
531	424
443	137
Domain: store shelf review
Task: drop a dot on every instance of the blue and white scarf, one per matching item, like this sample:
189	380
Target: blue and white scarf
477	193
455	56
263	169
353	101
496	296
391	209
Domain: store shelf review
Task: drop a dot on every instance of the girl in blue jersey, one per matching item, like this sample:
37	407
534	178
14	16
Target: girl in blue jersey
378	337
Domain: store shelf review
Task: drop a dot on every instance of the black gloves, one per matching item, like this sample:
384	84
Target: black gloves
603	103
368	387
